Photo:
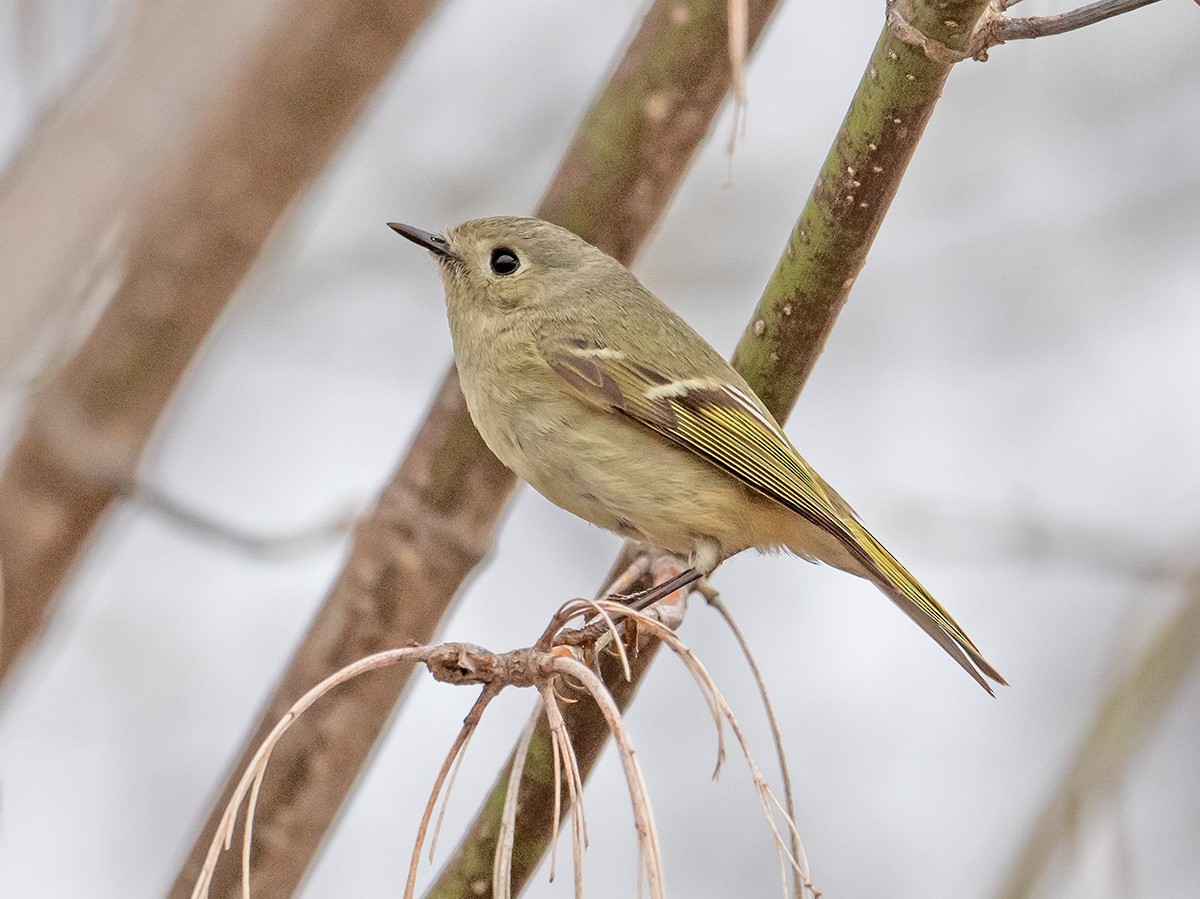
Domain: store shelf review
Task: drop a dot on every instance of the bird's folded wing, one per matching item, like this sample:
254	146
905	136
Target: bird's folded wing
711	417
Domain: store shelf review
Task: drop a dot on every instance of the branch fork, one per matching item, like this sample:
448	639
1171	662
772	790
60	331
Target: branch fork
994	27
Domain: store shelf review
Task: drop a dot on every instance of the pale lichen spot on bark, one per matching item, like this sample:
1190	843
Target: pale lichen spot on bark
759	327
658	106
787	308
409	557
680	14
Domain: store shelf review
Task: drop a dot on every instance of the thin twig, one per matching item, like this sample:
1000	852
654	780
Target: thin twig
252	777
556	763
739	43
502	864
766	796
772	719
1043	26
639	796
303	540
456	749
565	755
437	827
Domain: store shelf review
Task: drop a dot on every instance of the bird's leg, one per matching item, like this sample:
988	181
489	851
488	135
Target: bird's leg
706	555
595	629
647	598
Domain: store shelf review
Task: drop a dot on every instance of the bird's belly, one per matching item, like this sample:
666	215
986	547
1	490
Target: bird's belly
625	478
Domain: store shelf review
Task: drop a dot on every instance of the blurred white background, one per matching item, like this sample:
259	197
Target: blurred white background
1009	399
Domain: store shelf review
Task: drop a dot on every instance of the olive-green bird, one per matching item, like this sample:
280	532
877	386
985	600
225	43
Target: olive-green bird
588	387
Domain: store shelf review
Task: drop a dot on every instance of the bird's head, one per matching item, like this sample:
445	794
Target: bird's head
501	264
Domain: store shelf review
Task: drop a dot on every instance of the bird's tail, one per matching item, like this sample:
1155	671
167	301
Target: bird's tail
916	602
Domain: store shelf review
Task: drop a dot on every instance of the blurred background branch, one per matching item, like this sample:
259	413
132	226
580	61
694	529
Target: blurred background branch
435	518
1124	725
95	150
191	240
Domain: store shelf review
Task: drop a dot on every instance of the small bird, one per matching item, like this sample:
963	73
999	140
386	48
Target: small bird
590	388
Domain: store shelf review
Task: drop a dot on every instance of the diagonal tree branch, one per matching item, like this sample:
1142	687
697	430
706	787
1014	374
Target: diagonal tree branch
434	520
799	306
96	150
195	237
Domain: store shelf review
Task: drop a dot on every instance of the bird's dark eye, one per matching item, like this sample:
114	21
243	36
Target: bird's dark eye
504	261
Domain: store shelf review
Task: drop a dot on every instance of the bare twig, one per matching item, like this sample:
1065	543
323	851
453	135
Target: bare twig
739	48
452	757
773	720
251	779
564	756
713	696
306	539
993	28
502	863
643	818
459	663
1044	26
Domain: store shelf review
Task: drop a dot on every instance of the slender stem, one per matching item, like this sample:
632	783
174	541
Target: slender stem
1044	26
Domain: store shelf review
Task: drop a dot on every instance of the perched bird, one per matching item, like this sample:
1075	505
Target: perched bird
588	387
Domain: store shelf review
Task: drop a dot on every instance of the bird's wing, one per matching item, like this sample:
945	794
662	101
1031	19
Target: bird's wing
711	417
722	422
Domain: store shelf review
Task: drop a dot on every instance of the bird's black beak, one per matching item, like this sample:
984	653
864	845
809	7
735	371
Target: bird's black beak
435	243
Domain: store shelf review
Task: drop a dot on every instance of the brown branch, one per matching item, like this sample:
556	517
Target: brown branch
194	238
436	517
92	155
824	254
